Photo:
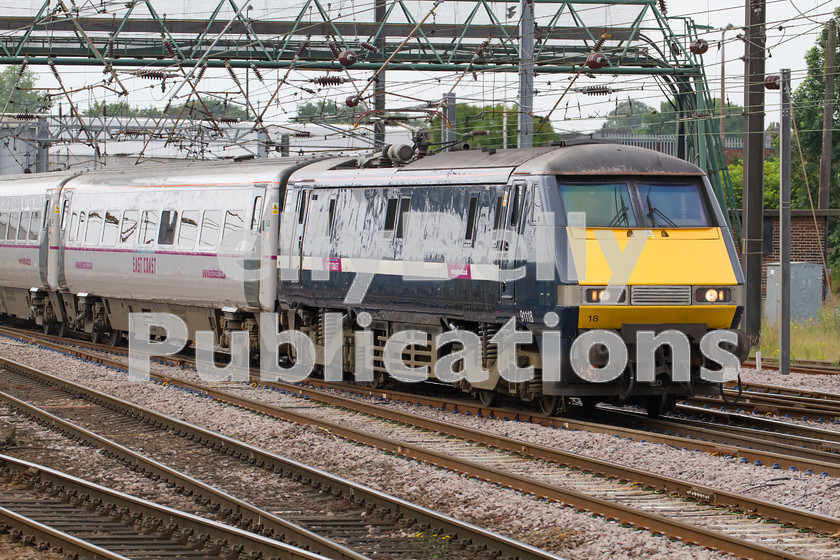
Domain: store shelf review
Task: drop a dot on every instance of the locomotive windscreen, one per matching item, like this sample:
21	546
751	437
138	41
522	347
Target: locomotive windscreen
635	204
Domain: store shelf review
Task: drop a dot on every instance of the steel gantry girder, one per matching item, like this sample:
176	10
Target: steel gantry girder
642	43
462	36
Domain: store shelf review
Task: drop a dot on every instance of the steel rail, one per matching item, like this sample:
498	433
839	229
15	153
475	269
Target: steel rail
252	516
823	524
805	367
761	446
159	515
47	537
610	510
260	457
763	388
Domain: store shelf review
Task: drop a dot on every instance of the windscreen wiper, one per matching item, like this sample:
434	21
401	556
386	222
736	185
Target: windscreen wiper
653	212
621	215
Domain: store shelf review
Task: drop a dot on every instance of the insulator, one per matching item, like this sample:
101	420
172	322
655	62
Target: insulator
225	119
663	7
347	58
352	101
257	72
699	46
303	134
170	49
596	90
334	49
54	69
111	47
599	43
25	116
200	74
232	73
479	50
23	66
150	74
369	47
596	60
702	115
328	80
302	48
773	81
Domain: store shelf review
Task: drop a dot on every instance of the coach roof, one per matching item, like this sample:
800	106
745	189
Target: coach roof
583	159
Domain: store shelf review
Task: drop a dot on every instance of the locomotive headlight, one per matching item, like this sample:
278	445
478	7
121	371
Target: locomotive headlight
602	295
713	295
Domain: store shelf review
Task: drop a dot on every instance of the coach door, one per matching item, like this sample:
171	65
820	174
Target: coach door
298	232
509	249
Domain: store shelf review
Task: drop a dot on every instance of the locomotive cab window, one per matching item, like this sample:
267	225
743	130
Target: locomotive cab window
4	224
674	206
606	205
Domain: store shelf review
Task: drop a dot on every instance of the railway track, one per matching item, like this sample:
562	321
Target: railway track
800	366
48	509
710	501
390	516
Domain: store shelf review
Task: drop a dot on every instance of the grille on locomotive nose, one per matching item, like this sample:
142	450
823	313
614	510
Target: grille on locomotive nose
660	295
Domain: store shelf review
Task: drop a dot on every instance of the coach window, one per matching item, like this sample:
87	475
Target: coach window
4	224
35	225
23	230
94	228
168	223
210	229
80	233
128	232
112	228
74	221
148	227
189	229
256	214
234	224
65	210
472	214
14	220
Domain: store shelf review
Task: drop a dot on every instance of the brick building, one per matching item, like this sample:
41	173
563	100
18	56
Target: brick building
806	237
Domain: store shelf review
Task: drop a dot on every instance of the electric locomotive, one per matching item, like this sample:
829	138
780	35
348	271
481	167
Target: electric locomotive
431	247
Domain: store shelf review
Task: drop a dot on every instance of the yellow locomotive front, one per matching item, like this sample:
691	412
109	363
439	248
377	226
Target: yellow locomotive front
648	252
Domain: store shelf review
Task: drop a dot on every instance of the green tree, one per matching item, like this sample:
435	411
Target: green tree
627	115
194	110
771	181
636	117
326	110
483	126
23	99
808	116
